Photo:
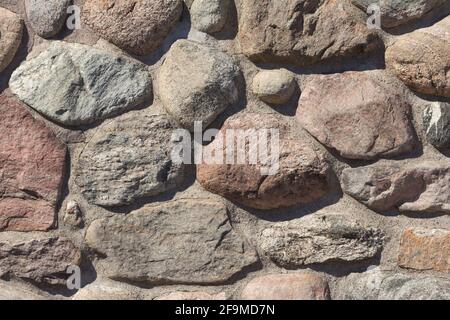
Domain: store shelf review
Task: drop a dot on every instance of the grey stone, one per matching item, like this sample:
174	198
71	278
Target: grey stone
209	16
47	17
436	120
11	29
182	241
42	260
399	12
197	83
320	238
379	285
75	84
417	187
274	86
129	158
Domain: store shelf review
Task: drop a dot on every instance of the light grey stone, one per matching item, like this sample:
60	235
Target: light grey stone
129	158
75	84
197	83
47	17
274	86
209	16
183	241
436	120
320	238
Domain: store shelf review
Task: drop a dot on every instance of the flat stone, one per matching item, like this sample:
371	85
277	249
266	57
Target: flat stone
85	85
371	120
183	241
194	295
197	83
292	286
43	260
436	121
137	26
399	12
425	249
32	162
378	285
304	32
11	29
129	158
418	187
209	16
296	175
320	239
274	86
47	17
426	72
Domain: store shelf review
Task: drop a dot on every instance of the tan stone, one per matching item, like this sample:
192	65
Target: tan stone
10	36
195	295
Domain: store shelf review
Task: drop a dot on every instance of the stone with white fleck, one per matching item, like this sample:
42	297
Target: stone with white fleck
436	120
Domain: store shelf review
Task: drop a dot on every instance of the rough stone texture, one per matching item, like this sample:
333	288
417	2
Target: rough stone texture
47	17
303	32
379	285
399	12
436	120
425	249
197	83
87	84
11	29
209	16
197	295
370	121
45	260
13	290
137	26
184	241
104	289
302	175
427	72
293	286
274	86
129	158
319	239
32	162
418	187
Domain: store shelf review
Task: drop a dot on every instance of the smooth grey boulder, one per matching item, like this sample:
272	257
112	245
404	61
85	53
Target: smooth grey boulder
187	241
320	239
47	17
209	16
197	83
129	158
74	84
436	120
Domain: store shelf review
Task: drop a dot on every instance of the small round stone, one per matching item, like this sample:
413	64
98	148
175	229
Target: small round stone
274	86
209	15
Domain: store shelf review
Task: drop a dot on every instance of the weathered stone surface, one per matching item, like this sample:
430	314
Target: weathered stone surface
86	84
31	169
319	239
436	120
11	29
379	285
196	295
209	16
183	241
425	249
371	120
105	289
293	286
73	216
399	12
297	175
14	290
137	26
47	17
197	83
303	32
43	260
417	187
274	86
427	72
129	158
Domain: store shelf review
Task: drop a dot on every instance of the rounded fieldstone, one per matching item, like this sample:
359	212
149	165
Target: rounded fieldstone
274	86
11	28
436	120
209	16
47	17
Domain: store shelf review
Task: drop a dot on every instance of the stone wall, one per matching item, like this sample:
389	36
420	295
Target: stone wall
357	209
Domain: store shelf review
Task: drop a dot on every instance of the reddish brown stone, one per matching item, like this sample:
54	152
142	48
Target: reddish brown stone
295	286
422	249
31	169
